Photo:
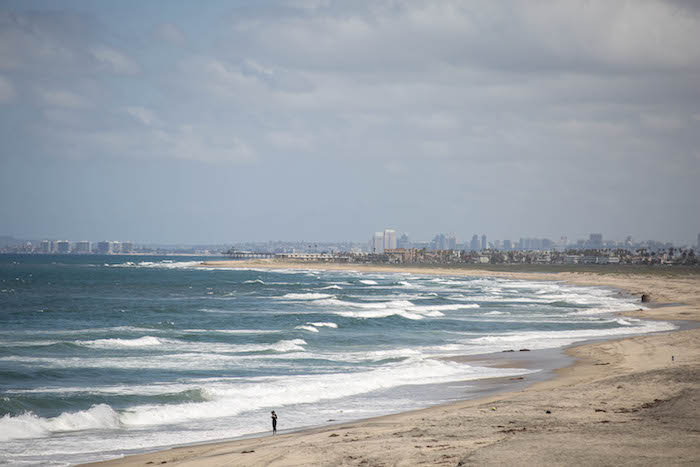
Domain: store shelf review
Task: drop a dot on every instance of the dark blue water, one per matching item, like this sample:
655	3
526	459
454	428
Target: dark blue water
102	355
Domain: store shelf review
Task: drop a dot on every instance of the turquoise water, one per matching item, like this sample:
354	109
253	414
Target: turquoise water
100	356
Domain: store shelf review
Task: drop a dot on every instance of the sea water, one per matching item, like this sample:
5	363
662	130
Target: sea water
104	356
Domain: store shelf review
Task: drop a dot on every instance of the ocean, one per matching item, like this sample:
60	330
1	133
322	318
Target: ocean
102	356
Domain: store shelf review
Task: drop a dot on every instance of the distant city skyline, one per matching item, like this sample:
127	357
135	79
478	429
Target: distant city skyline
226	121
378	243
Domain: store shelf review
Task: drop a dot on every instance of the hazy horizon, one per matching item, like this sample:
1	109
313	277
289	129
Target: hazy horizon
225	122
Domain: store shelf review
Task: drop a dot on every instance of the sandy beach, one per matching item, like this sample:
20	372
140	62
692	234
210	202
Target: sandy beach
632	401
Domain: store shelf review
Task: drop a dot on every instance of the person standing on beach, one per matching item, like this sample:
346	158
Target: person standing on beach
274	423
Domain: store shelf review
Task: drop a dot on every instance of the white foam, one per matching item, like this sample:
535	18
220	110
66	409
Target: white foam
306	296
551	339
445	307
324	324
280	391
365	305
368	282
256	281
336	287
80	331
29	425
280	346
368	314
165	264
145	341
307	328
233	331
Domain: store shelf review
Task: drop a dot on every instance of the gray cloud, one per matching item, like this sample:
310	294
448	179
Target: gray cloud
7	90
516	118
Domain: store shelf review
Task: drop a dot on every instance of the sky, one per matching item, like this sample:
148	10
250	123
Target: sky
229	121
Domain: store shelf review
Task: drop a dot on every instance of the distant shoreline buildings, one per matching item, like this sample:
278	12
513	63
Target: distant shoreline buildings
104	247
389	247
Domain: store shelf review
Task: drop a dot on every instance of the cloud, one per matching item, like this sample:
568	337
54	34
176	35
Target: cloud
192	142
143	115
114	60
427	103
30	40
7	90
528	36
63	98
663	122
170	33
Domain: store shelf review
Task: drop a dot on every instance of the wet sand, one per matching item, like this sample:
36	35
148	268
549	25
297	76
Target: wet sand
631	401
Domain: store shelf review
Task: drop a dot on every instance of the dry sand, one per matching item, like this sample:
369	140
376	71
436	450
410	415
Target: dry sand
632	401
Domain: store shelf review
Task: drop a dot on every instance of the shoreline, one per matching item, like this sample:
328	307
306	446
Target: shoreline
513	425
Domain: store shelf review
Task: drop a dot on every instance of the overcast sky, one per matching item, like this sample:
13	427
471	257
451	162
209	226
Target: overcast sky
319	120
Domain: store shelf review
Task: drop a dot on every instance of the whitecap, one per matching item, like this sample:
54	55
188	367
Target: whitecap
29	425
306	296
145	341
256	281
324	324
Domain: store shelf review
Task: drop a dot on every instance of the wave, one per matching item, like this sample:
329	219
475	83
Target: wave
368	314
233	331
181	356
306	296
551	339
165	264
368	282
324	324
29	425
275	392
256	281
280	346
145	341
53	332
403	308
445	307
313	327
376	305
336	287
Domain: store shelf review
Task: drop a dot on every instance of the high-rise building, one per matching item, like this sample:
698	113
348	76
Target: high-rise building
698	246
127	247
377	244
404	242
475	243
389	239
45	246
451	240
82	247
63	246
595	241
484	244
507	245
104	248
